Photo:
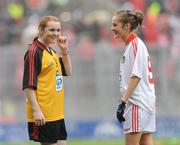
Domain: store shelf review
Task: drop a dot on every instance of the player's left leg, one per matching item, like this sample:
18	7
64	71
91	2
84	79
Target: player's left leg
61	142
61	133
146	139
133	138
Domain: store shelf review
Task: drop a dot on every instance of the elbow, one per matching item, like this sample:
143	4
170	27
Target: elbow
69	73
68	70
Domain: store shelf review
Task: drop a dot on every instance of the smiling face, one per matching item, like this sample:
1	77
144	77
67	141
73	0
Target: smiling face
51	32
117	27
120	30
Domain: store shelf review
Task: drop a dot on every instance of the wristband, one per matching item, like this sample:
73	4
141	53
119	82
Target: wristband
65	52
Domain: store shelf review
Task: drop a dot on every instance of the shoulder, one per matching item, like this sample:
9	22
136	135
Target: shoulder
141	42
142	49
35	48
36	45
33	51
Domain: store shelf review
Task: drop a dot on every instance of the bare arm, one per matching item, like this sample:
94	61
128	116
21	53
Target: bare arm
37	113
63	44
67	63
133	82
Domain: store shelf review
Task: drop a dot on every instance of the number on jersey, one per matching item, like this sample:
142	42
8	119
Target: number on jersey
150	74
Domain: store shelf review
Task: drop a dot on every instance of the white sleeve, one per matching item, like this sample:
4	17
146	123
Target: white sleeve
137	61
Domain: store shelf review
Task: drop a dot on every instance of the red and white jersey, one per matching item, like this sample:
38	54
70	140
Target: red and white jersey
136	62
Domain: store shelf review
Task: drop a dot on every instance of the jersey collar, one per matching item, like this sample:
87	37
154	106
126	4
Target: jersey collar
130	38
39	44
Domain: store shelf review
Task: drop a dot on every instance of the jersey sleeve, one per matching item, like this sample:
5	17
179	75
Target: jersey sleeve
137	61
32	68
62	66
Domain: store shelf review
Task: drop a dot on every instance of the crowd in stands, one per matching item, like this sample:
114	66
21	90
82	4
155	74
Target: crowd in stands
160	30
161	17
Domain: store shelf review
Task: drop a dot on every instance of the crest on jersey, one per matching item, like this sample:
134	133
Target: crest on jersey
123	59
50	64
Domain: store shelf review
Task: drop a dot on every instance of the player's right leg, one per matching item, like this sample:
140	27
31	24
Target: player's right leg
139	125
131	125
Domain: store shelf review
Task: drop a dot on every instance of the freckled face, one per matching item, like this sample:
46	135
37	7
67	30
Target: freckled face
51	32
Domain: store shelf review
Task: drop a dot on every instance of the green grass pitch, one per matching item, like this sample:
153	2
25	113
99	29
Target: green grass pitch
172	141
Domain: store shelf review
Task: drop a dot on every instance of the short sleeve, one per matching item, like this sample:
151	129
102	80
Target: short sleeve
32	68
62	67
137	61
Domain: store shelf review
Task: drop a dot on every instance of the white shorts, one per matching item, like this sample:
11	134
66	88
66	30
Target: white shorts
138	120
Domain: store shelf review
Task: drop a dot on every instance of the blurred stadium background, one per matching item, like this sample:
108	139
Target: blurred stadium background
92	92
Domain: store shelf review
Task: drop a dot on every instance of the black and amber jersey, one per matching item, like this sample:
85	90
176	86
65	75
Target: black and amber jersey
43	71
